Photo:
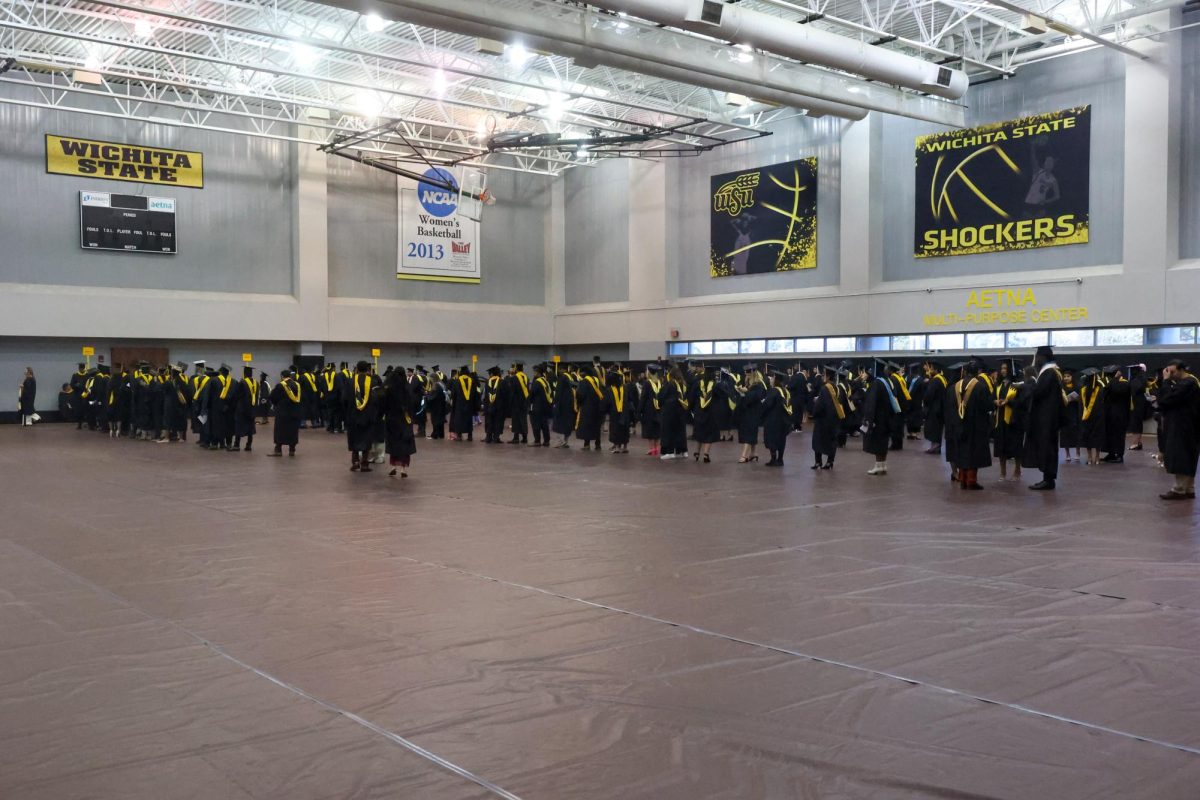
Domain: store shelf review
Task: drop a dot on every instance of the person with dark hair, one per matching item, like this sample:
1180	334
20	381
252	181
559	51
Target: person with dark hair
649	409
975	411
68	404
565	408
798	389
493	406
747	413
397	409
1068	433
245	405
776	417
176	402
589	399
933	407
1008	432
363	407
464	405
1047	411
705	426
1117	399
418	388
620	412
828	413
77	383
880	409
437	402
673	406
287	397
541	406
1178	401
331	399
899	386
914	418
1091	423
1139	409
518	403
220	409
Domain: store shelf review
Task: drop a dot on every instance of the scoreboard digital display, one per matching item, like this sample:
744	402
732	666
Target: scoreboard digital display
132	223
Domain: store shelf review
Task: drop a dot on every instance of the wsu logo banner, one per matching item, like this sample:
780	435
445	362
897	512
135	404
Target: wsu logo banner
1007	186
764	219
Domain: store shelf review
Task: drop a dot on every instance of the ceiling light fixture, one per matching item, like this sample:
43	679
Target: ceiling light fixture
305	56
517	54
375	23
143	29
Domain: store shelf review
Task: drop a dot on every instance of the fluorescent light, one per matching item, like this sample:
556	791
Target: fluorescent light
735	99
555	107
517	54
439	83
369	104
375	23
305	56
92	62
143	29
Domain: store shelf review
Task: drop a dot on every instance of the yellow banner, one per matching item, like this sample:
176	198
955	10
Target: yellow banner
124	162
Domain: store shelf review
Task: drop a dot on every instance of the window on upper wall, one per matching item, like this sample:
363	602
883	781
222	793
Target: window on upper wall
1171	334
677	349
1085	337
873	344
728	348
985	341
754	345
1023	339
1119	337
781	345
839	344
945	341
700	349
811	345
912	341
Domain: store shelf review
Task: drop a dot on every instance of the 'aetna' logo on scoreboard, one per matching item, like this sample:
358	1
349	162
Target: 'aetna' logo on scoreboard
438	200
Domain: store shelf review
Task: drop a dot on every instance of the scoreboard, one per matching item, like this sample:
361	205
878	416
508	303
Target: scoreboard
128	222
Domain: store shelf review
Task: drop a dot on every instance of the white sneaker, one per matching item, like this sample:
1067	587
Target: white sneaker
877	470
667	457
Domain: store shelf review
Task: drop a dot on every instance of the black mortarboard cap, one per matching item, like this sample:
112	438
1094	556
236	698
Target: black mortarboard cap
248	371
1089	372
749	367
1178	363
1045	351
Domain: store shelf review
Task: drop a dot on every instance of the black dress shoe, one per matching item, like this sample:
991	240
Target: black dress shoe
1042	485
827	466
1175	496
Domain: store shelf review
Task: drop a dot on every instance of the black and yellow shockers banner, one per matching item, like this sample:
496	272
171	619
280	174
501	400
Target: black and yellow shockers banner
1008	186
764	219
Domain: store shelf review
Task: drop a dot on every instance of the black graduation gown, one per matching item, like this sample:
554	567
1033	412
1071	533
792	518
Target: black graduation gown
495	398
776	419
856	395
464	402
1137	404
1116	414
220	409
1008	433
310	397
953	423
915	418
1044	422
933	404
176	401
723	406
143	402
541	403
619	404
748	414
361	423
798	389
68	405
287	413
28	396
648	410
974	436
245	407
1179	404
674	417
436	405
900	389
519	394
705	429
1091	425
590	399
564	407
878	417
826	422
398	414
1069	434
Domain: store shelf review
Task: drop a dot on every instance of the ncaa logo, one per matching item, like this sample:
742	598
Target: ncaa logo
437	200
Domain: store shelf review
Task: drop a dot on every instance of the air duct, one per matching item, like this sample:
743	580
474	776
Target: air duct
740	25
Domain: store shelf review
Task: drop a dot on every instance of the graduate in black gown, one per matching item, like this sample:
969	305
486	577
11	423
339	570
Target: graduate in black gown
747	414
828	413
899	386
673	405
331	398
245	410
541	406
933	404
27	397
1178	400
1047	411
566	408
1091	420
397	410
1068	433
727	384
1139	408
363	403
1117	400
78	381
590	396
776	417
465	395
287	398
708	398
494	401
437	403
220	409
518	404
914	418
649	411
798	389
880	409
976	413
619	405
68	404
177	402
1008	432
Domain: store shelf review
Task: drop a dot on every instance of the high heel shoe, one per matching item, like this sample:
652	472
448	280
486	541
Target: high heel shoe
707	460
743	461
697	456
754	458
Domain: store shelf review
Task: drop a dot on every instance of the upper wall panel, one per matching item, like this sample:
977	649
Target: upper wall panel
1189	228
364	225
220	246
597	233
1096	78
688	216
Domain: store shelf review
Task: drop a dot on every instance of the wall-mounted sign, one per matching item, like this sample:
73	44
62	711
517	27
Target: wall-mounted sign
1007	186
437	243
763	220
991	307
133	223
91	158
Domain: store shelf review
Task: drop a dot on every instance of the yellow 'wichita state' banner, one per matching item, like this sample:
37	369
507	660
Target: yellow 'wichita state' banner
1006	186
66	155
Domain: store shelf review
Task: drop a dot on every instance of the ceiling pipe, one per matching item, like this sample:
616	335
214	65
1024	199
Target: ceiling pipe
745	26
574	33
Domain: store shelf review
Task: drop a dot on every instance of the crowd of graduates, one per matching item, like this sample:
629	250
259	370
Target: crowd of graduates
973	412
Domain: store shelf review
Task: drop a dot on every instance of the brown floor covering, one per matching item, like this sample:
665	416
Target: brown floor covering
548	625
